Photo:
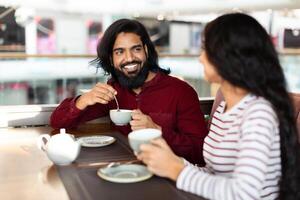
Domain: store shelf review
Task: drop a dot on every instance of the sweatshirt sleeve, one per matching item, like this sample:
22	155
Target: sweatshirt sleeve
67	115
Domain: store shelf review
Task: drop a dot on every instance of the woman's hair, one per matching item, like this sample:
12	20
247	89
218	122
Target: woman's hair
105	45
243	54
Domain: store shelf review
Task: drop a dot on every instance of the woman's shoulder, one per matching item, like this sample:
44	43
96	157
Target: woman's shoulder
257	103
259	109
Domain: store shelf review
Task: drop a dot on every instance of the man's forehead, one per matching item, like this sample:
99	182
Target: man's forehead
127	39
124	34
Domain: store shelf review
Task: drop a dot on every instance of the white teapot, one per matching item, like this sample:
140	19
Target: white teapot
62	148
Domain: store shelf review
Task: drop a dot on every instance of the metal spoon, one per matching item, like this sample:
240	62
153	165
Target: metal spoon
105	170
118	108
112	164
116	164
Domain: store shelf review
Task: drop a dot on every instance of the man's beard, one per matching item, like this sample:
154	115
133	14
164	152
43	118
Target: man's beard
132	82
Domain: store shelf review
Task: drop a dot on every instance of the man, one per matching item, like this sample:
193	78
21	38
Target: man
158	100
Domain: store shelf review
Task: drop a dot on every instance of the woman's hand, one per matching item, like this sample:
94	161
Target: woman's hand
160	159
101	93
141	121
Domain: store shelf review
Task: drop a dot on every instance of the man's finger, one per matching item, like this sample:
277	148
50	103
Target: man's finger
137	111
134	128
136	116
135	122
159	142
106	88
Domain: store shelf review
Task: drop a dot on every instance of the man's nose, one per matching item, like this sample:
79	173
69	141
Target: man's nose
129	56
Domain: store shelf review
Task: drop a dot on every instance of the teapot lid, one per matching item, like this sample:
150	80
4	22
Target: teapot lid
62	131
62	136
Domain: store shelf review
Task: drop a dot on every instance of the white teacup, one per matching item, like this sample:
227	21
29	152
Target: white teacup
142	136
120	117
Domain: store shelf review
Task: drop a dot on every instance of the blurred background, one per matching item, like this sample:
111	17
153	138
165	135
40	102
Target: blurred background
46	45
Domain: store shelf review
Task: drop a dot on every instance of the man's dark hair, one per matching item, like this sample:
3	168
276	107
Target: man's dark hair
105	46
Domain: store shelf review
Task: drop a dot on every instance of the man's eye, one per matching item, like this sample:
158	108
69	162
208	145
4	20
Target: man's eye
137	49
118	52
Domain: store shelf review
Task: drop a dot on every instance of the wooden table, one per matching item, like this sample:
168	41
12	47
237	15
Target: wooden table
27	173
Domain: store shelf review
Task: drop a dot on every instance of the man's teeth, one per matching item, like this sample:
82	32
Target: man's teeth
130	66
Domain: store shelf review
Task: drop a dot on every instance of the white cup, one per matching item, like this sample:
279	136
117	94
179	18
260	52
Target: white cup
142	136
120	117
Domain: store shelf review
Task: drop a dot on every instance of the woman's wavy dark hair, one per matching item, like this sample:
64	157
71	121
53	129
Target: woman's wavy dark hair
243	54
105	46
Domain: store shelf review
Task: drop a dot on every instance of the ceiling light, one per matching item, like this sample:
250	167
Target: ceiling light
24	16
136	15
160	17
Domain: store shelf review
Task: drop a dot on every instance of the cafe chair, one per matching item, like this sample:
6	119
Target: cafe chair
296	101
218	99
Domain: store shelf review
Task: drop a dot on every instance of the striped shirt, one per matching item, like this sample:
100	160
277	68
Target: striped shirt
242	154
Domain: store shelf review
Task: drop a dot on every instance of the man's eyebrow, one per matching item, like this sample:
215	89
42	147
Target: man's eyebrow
118	49
135	46
122	48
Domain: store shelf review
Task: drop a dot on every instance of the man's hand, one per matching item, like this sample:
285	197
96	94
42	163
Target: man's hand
101	93
141	121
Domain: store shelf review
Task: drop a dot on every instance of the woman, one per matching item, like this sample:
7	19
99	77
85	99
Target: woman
251	151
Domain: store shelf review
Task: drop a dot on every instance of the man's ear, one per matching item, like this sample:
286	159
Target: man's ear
146	50
111	61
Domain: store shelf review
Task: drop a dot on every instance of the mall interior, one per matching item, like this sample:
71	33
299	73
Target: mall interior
46	46
46	49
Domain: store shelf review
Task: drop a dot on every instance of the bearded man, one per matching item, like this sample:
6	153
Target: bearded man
158	100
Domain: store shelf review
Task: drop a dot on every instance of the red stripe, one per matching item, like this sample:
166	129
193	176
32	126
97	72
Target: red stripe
216	133
218	126
212	138
254	149
254	158
234	141
227	149
254	112
222	171
256	141
261	118
220	156
263	196
251	175
271	186
268	137
232	133
251	166
273	179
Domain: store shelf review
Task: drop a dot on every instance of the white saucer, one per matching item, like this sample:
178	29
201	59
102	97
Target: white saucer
96	141
127	173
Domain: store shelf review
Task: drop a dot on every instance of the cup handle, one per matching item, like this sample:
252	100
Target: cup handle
42	141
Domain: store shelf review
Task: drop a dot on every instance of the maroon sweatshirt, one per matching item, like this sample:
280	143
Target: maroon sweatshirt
170	102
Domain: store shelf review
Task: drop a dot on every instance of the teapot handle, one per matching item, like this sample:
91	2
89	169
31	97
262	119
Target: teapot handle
42	141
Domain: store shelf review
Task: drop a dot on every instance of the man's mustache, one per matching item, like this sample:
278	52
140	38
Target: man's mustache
130	63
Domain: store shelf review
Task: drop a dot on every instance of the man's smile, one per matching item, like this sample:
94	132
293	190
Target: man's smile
131	67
